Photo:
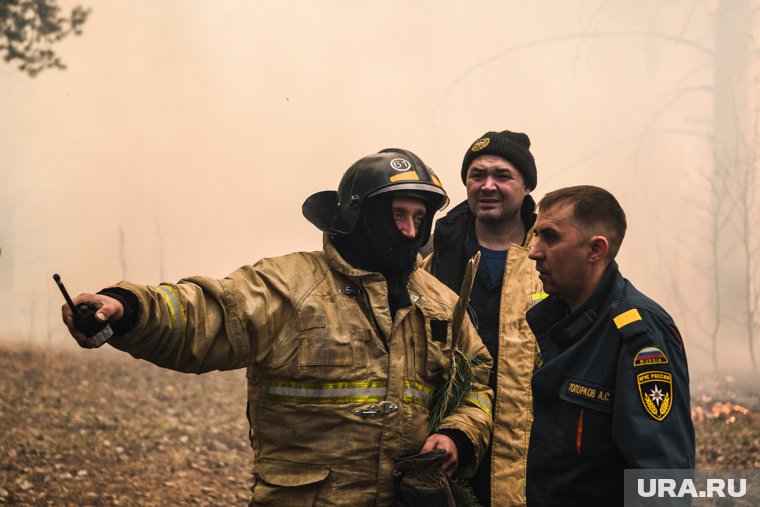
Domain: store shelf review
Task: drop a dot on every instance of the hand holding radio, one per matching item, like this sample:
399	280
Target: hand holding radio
87	316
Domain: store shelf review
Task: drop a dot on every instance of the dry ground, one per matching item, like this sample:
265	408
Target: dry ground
100	428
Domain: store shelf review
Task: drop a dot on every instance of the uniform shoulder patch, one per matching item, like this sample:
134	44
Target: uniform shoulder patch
650	355
627	317
629	322
656	393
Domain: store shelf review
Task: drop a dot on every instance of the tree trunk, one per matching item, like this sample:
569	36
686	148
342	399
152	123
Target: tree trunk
733	34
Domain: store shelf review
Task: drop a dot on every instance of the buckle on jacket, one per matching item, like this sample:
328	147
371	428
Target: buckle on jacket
383	408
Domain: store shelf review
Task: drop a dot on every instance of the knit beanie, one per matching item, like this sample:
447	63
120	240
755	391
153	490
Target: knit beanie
513	146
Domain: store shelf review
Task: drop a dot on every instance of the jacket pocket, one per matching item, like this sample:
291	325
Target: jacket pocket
318	346
325	355
286	483
430	340
438	346
586	417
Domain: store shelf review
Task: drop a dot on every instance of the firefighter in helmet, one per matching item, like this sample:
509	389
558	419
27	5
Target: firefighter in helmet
343	347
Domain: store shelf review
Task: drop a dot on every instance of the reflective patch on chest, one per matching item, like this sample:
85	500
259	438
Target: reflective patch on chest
649	355
589	394
656	393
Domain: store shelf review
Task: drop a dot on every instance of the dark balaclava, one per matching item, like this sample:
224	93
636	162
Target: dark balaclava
377	244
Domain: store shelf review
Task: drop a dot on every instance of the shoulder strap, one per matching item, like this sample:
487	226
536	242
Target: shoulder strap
628	319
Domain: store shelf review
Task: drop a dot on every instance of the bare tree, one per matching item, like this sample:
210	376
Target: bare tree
748	214
732	168
705	317
734	260
161	255
123	253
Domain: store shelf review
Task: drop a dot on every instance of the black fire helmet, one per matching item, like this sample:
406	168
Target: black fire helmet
389	170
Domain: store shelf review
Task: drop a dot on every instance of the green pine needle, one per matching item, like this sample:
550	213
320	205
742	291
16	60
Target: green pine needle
463	494
463	373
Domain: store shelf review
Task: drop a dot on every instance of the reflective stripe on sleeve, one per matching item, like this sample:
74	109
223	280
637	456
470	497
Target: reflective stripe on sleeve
178	318
477	399
417	393
537	297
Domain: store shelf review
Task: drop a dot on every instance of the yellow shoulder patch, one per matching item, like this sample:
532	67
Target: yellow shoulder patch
626	318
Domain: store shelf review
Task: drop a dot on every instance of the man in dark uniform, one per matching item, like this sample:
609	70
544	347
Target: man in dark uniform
611	385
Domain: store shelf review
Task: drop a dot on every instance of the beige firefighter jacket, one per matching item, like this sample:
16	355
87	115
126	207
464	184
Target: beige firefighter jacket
518	349
336	388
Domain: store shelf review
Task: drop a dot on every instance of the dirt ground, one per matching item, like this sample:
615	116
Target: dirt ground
100	428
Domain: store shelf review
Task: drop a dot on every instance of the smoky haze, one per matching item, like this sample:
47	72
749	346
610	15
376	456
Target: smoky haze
185	135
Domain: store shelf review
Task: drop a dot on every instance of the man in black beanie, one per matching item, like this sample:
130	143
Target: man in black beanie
497	219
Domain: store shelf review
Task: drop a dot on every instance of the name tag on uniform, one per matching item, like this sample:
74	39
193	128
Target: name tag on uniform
589	394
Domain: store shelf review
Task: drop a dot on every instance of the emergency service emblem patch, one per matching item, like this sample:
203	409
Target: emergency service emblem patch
480	144
650	355
656	392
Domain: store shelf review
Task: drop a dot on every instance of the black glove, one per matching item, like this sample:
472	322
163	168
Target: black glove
419	480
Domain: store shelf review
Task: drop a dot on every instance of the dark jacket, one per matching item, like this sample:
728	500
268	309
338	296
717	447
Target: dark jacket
610	392
454	242
498	311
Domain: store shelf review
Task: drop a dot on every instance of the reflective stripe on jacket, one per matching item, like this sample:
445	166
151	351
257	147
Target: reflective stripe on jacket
337	388
517	352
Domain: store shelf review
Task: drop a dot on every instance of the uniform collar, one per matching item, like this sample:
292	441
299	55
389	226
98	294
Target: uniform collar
461	217
552	315
609	285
